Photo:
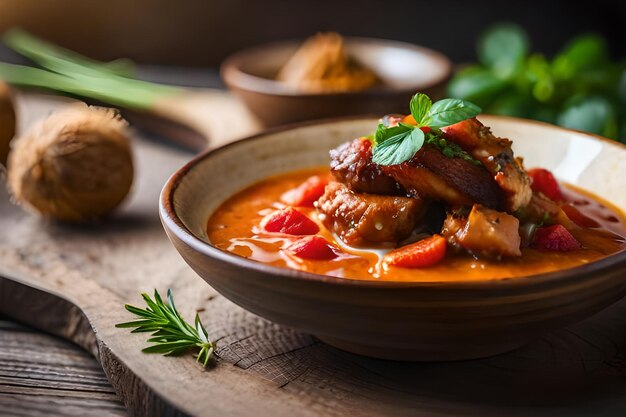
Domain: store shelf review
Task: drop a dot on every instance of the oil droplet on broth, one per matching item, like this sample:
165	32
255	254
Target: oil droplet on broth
260	249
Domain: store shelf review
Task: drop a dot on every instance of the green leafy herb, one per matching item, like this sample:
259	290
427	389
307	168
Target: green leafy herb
476	84
450	111
398	148
420	106
171	334
396	144
450	149
503	48
512	80
592	115
583	53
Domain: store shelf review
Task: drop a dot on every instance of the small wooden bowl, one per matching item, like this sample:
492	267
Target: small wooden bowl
396	320
404	69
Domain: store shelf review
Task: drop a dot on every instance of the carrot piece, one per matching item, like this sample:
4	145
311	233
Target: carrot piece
422	254
289	221
555	238
409	120
306	193
544	182
312	247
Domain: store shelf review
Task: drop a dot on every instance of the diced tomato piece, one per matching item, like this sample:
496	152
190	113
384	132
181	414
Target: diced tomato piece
289	221
425	129
544	182
409	120
306	193
312	247
577	217
422	254
555	238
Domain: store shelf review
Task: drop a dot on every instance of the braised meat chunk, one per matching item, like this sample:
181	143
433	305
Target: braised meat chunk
431	174
497	156
351	164
359	218
484	232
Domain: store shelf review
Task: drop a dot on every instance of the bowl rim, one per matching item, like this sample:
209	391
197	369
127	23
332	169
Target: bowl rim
234	77
173	223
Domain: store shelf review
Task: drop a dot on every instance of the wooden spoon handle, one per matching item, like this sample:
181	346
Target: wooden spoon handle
196	119
201	119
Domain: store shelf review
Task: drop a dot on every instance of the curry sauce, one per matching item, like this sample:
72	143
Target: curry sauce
234	227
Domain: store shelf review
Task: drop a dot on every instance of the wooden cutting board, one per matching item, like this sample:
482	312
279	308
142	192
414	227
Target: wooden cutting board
74	280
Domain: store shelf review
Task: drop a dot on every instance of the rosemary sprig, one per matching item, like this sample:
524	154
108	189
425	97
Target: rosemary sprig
171	334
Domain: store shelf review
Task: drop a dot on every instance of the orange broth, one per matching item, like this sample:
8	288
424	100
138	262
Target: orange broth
234	227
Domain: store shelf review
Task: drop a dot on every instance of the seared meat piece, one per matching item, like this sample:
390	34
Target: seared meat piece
484	232
361	218
497	156
453	180
540	210
351	163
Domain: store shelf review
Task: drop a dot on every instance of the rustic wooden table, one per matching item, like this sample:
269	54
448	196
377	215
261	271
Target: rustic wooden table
43	375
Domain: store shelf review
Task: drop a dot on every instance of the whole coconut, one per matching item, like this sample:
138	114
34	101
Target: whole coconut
7	122
75	165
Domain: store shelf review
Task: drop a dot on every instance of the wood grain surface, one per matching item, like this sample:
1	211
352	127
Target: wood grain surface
41	375
73	281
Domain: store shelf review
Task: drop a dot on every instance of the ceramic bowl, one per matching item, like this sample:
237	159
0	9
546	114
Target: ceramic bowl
403	67
396	320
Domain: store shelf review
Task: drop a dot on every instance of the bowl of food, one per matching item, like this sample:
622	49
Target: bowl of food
422	237
330	76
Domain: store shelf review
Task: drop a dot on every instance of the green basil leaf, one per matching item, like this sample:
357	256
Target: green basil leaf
538	72
476	84
379	134
384	133
512	103
594	115
420	105
449	111
399	148
582	53
503	48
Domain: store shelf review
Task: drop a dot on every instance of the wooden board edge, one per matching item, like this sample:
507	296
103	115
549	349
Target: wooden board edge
55	314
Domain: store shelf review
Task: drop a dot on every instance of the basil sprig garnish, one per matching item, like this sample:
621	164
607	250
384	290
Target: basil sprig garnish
397	144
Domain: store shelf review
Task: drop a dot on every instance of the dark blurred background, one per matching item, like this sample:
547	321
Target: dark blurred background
203	32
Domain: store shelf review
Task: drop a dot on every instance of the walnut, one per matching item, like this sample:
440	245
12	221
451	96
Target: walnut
75	165
7	122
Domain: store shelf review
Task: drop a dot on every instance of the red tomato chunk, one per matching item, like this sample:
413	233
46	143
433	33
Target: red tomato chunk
422	254
306	193
555	238
289	221
312	247
544	182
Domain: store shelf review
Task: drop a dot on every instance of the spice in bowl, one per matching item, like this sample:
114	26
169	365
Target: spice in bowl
322	65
